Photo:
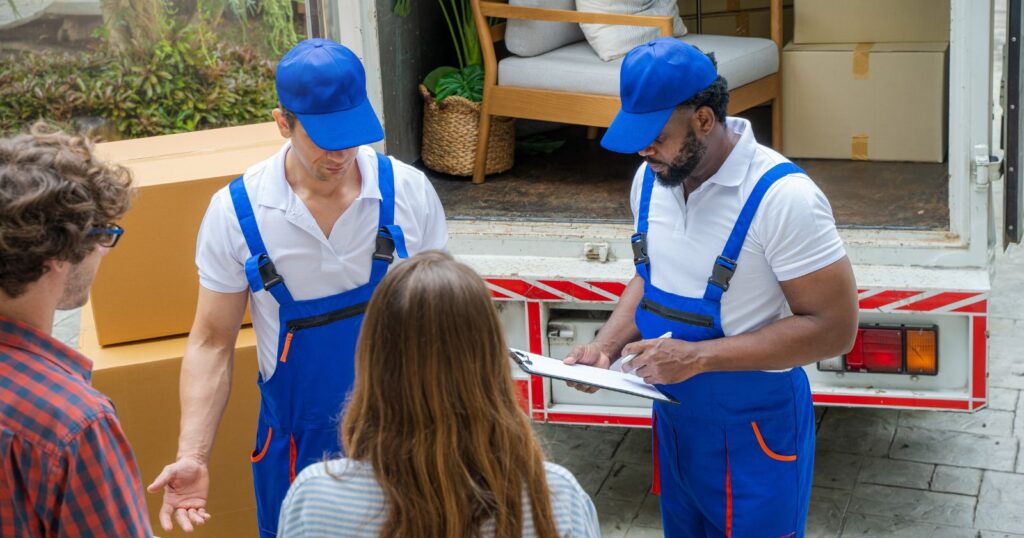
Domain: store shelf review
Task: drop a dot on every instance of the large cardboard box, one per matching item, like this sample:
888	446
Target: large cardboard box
881	102
871	21
142	381
147	286
750	23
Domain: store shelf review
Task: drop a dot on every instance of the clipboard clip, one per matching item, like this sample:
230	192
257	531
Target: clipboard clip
520	357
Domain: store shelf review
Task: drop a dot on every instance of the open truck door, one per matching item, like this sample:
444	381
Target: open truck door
1013	197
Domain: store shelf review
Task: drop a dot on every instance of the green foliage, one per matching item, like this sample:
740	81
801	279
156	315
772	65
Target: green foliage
430	81
458	15
401	8
467	82
185	82
275	21
538	144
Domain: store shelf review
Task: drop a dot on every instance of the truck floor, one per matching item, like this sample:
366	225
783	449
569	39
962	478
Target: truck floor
582	182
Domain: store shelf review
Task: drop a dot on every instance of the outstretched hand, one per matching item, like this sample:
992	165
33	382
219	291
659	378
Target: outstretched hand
186	485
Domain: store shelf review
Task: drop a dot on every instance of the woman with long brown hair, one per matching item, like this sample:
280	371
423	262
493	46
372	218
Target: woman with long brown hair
437	445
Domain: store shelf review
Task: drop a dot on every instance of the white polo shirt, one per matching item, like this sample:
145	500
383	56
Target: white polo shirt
312	265
792	234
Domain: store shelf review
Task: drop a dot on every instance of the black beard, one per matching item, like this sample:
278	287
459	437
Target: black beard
690	154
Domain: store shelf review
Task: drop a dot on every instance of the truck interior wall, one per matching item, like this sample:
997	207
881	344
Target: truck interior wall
410	47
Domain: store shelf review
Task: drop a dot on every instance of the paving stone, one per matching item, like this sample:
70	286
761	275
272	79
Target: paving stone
615	516
650	513
1020	458
1000	502
628	482
984	422
857	431
962	480
865	526
889	472
990	534
836	469
913	504
597	444
1006	364
825	518
1018	423
590	474
954	448
636	447
1003	399
644	532
1003	324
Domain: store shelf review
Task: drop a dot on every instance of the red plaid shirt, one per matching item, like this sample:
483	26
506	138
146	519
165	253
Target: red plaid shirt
65	466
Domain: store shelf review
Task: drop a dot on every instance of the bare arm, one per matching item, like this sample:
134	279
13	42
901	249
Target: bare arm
206	369
205	388
824	324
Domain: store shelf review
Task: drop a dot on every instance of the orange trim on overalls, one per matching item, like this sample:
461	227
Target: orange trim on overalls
771	454
266	444
728	492
287	345
292	456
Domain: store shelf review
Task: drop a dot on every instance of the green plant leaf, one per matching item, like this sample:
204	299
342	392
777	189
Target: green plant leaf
430	81
538	144
468	83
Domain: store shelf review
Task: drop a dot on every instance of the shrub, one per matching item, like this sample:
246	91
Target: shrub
185	82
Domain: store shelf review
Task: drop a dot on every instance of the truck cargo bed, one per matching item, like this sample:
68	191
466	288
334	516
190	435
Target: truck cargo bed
581	182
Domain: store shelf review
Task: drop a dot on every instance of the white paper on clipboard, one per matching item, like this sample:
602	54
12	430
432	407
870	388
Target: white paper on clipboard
579	373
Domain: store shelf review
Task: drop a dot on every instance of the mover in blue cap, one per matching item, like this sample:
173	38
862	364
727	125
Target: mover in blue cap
728	233
306	236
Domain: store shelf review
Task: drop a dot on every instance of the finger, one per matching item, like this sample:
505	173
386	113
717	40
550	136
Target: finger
570	360
194	517
206	515
165	517
181	516
161	480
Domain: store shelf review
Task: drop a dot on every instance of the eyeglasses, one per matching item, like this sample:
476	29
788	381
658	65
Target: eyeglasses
108	236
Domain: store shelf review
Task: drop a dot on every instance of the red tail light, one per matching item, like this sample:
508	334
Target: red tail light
889	350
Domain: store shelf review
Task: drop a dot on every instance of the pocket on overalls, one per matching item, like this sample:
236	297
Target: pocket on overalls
260	451
764	468
766	449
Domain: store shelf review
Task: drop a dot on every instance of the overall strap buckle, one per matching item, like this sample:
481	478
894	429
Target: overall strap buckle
385	249
722	272
639	243
268	273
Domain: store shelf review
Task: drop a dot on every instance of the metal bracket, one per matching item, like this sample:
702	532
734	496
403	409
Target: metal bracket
987	168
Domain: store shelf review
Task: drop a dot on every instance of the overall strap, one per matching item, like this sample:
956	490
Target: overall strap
725	265
390	238
259	269
639	239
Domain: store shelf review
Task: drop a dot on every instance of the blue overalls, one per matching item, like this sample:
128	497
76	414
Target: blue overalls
300	403
736	456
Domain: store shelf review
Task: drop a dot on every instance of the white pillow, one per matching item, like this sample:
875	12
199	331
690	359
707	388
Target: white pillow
530	38
611	41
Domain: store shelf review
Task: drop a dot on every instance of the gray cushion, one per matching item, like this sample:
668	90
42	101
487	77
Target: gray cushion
611	41
576	67
530	38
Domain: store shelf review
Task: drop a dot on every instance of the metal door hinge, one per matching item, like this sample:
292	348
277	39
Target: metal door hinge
595	252
987	168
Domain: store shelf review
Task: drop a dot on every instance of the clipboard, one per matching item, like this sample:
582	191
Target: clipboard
578	373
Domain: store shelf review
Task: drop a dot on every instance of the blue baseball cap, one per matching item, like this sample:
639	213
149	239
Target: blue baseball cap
655	78
324	85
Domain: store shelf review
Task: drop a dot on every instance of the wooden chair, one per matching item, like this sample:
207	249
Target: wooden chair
595	109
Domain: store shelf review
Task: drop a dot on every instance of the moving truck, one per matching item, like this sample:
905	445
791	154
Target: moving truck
924	290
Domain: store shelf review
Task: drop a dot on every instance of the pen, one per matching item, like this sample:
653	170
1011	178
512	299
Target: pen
625	360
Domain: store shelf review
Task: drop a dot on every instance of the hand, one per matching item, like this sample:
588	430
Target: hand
186	485
592	354
664	360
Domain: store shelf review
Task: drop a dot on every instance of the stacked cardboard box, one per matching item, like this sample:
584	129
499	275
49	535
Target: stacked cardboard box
149	284
745	18
141	380
866	80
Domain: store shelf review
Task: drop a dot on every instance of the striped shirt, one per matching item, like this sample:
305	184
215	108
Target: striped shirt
65	466
352	505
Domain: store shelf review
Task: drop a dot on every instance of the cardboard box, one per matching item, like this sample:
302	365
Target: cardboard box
142	381
871	21
752	23
147	286
881	102
689	7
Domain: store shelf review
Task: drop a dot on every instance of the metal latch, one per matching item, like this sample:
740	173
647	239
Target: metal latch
595	252
987	168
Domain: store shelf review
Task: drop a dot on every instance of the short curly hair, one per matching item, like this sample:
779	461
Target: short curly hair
715	97
53	192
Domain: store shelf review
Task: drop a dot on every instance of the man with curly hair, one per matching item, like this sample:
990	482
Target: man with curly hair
66	468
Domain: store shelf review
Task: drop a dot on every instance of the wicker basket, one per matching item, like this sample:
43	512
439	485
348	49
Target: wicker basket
450	132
